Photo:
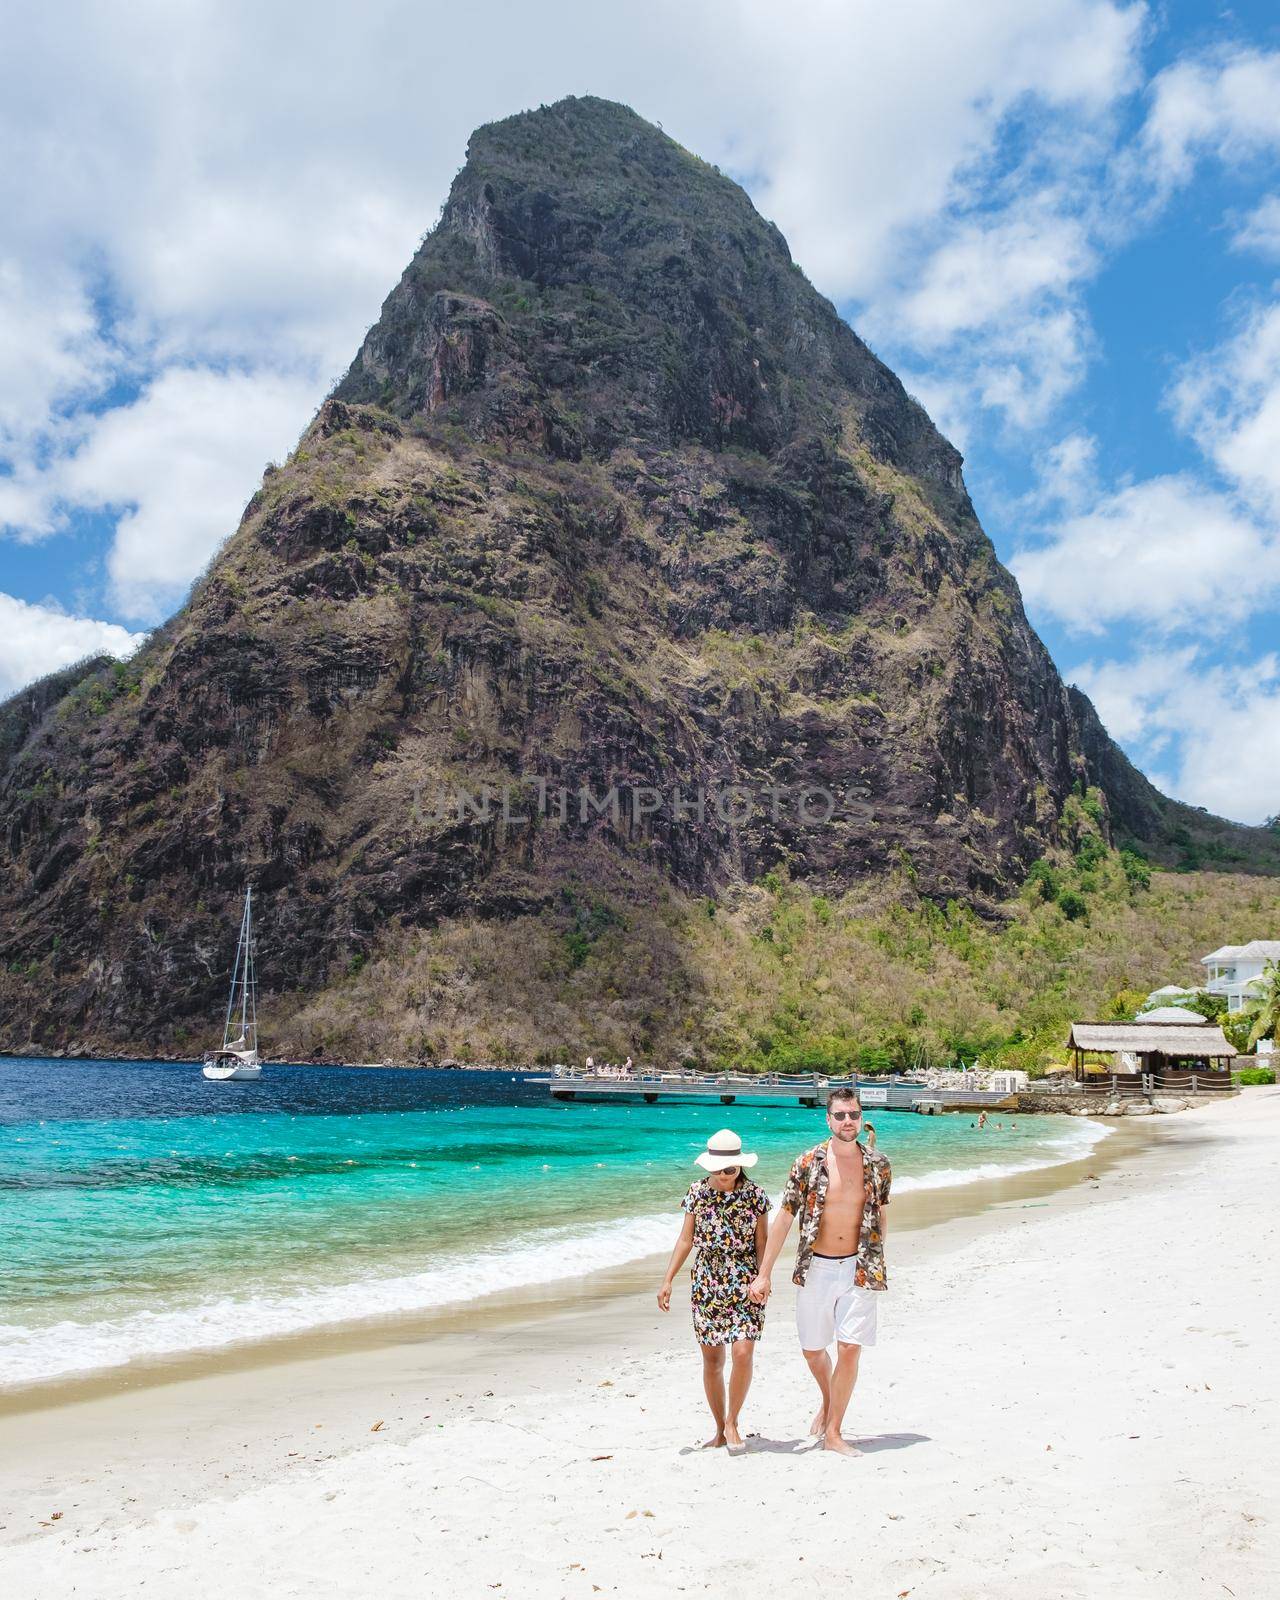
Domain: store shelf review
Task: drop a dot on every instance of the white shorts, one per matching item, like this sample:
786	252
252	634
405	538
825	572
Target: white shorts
830	1305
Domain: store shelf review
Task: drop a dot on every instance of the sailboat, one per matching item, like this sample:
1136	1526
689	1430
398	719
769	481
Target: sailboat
238	1057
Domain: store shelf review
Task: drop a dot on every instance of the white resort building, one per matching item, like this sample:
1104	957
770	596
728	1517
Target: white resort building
1233	969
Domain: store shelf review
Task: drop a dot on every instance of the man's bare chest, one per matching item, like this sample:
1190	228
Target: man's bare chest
846	1189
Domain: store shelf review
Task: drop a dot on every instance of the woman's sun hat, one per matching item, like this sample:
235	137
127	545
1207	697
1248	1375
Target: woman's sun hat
724	1149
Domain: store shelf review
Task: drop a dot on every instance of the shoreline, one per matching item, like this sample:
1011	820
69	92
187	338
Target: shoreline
915	1208
403	1346
1054	1410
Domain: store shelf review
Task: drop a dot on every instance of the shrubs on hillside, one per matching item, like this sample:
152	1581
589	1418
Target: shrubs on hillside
1072	905
1086	866
911	983
781	978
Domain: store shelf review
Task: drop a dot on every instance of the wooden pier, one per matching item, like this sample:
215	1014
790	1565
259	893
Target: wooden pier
730	1088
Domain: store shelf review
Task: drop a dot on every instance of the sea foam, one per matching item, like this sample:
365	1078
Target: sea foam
33	1355
1072	1145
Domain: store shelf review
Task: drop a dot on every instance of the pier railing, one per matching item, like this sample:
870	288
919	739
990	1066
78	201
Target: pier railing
1191	1082
1112	1084
778	1080
1115	1085
888	1092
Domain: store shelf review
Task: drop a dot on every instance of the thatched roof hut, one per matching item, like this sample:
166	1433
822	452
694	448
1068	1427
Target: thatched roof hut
1146	1046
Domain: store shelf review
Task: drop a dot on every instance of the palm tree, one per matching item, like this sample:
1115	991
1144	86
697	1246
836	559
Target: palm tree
1263	1008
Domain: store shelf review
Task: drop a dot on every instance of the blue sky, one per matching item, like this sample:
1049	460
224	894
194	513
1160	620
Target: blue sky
1060	223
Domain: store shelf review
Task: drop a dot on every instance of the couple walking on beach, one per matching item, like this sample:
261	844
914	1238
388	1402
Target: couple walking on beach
839	1190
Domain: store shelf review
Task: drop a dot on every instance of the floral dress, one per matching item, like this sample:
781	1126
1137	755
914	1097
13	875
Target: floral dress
724	1234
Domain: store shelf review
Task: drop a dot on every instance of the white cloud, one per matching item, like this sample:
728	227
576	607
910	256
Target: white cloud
176	465
36	639
51	349
25	510
1229	402
1068	474
997	303
1173	552
891	122
1168	553
1215	728
1017	370
1127	694
1183	559
1027	367
987	270
1226	104
1260	230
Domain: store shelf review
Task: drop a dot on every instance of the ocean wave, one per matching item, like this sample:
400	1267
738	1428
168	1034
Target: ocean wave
30	1355
1072	1146
35	1355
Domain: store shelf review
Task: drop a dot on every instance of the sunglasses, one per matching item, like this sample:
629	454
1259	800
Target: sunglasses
844	1116
728	1172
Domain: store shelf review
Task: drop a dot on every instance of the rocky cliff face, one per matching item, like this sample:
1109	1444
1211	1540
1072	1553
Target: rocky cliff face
613	516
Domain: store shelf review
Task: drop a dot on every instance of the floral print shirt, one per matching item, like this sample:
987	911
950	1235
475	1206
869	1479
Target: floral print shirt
725	1220
806	1194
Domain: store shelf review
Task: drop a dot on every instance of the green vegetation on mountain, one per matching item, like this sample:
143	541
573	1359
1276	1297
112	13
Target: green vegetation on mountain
776	976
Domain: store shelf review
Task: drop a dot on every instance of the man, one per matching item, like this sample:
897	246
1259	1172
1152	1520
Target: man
839	1192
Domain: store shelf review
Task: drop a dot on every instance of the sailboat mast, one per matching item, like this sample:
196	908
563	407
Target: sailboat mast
248	999
253	986
235	978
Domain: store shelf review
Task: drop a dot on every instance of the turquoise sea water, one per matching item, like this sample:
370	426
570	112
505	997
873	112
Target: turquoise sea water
144	1211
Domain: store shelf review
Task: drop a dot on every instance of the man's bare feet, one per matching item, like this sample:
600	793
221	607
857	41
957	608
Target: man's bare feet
819	1424
714	1444
839	1445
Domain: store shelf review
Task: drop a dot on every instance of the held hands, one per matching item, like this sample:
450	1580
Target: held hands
759	1289
664	1296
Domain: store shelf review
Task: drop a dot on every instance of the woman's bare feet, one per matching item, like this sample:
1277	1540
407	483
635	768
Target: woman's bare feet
714	1444
840	1445
731	1435
819	1424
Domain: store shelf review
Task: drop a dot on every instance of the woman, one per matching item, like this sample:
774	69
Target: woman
725	1217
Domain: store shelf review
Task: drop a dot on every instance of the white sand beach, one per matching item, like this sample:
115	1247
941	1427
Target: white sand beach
1076	1394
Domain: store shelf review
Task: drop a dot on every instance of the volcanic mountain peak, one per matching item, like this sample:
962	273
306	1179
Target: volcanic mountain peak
611	502
616	270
